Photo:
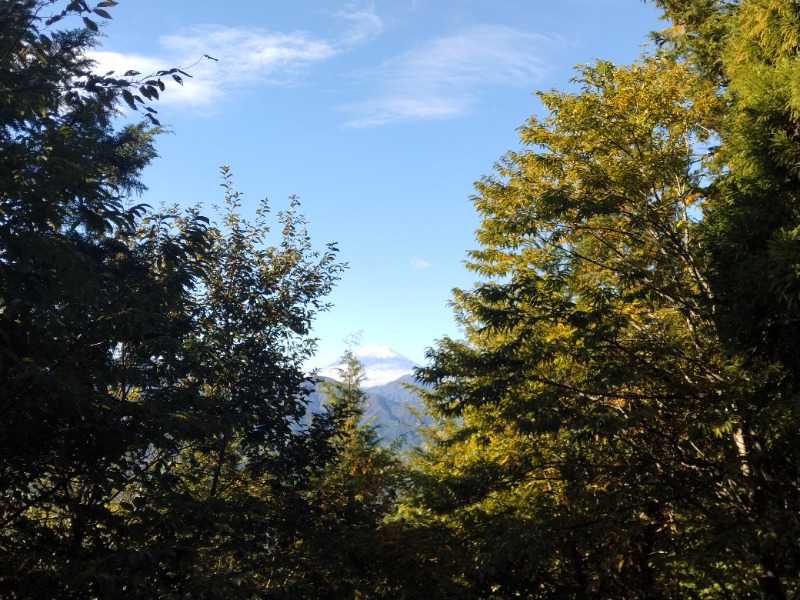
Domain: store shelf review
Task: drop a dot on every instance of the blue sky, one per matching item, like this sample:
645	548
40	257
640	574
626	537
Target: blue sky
378	115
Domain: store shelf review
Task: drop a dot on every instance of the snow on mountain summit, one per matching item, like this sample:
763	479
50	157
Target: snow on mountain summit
382	365
375	351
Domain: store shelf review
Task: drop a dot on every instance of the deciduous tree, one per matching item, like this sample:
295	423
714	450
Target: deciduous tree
150	439
609	434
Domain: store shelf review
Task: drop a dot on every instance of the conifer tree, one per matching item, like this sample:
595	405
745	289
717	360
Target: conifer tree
352	495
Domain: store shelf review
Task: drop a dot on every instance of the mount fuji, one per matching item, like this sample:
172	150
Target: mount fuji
382	365
393	407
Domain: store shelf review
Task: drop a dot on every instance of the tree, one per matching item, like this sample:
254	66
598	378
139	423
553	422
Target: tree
244	461
612	431
151	362
343	551
357	543
66	273
750	226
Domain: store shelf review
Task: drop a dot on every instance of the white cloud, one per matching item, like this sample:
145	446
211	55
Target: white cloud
446	77
418	263
198	90
364	24
120	63
247	55
243	56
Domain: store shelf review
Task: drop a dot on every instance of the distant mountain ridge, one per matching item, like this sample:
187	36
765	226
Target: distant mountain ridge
391	405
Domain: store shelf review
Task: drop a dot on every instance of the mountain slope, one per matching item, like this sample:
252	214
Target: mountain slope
392	406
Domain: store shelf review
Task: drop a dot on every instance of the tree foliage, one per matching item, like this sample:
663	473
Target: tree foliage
619	421
621	415
352	493
356	544
151	435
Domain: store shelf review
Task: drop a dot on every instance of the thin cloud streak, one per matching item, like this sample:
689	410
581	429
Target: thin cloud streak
365	24
244	56
418	264
447	77
248	55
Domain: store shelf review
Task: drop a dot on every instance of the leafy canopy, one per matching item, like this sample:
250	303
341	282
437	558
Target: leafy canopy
620	419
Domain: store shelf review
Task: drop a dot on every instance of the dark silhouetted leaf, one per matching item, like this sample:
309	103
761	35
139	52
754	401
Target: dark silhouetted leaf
128	97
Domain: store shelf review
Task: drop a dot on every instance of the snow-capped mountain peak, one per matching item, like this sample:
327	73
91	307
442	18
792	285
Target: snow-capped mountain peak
382	365
375	351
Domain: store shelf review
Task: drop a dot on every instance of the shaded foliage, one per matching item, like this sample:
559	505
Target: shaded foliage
152	361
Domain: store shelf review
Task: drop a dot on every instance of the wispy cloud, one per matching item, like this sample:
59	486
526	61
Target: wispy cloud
364	24
120	63
244	56
418	264
447	76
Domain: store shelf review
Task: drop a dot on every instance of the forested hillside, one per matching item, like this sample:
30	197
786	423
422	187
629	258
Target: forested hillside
619	419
